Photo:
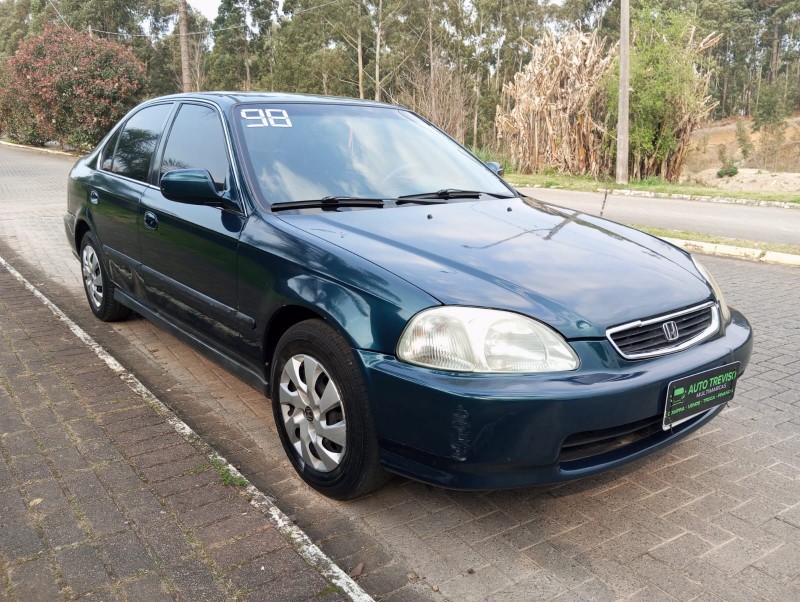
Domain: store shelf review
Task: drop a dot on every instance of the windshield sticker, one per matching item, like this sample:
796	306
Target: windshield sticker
261	118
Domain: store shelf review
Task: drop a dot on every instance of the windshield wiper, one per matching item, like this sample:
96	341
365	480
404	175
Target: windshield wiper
446	194
328	203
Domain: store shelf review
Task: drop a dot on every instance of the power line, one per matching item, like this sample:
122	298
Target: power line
58	13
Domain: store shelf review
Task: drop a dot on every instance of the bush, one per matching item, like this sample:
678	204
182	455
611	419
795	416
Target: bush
727	170
744	141
67	86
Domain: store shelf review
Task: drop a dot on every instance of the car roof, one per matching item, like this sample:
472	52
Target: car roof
227	99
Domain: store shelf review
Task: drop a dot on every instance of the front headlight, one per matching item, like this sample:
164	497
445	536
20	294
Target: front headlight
471	339
723	307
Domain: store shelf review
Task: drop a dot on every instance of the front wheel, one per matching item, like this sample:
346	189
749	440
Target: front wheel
322	413
98	286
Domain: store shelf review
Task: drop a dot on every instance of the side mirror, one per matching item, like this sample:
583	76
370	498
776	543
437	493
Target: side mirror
496	168
194	187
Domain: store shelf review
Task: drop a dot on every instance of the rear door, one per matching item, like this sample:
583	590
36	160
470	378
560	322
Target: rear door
117	186
188	252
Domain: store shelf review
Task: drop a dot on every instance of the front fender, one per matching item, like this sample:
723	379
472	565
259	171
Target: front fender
280	266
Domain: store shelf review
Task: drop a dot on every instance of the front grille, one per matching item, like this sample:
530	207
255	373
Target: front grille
646	338
592	443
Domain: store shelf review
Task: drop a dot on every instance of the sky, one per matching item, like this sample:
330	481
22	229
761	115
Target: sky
207	7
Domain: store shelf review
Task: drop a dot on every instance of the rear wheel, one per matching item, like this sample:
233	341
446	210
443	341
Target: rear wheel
98	286
322	413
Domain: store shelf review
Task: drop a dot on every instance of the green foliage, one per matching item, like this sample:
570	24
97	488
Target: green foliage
311	46
666	90
486	155
241	51
727	170
651	181
771	111
746	146
64	85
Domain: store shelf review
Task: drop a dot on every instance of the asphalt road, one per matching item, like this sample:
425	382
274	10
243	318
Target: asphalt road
764	224
714	517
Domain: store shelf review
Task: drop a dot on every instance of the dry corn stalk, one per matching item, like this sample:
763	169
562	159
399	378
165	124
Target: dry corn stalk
552	113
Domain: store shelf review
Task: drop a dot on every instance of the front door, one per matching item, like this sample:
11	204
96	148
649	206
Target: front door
188	252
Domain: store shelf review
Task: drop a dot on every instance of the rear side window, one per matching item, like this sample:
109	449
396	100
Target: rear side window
138	141
197	141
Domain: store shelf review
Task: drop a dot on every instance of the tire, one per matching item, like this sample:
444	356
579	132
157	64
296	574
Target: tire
328	435
97	285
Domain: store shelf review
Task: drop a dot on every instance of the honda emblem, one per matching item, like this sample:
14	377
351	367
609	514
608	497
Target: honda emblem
670	330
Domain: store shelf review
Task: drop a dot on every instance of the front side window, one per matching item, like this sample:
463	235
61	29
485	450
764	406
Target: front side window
302	151
197	141
138	141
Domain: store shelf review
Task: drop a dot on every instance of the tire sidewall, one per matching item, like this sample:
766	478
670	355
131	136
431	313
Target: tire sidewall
89	240
303	340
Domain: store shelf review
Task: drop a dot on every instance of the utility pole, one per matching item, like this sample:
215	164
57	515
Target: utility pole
183	28
623	116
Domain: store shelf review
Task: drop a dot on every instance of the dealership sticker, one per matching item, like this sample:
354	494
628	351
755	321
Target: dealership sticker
691	395
262	118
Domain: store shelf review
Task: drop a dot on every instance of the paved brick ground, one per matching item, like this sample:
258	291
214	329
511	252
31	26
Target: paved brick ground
101	498
716	517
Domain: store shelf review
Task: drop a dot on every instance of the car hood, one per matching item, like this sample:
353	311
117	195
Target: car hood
578	273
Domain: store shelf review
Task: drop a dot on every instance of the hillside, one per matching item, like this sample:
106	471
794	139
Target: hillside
774	165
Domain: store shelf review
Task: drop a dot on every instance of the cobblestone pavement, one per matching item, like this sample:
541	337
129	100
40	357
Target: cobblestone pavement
101	497
715	517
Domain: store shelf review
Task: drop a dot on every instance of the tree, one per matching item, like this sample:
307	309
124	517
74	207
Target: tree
164	67
669	90
241	36
65	85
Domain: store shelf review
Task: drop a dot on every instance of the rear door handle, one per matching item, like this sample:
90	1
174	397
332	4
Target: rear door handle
94	198
150	220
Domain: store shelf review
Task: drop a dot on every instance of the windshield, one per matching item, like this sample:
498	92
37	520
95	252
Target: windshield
299	152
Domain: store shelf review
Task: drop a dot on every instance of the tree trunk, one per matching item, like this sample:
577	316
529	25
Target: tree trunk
723	112
773	63
378	43
360	50
475	116
624	89
183	28
430	49
246	65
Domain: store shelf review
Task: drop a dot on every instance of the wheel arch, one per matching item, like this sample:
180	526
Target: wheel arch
283	319
81	228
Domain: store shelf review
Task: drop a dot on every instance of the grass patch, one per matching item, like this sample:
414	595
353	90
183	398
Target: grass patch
331	590
718	240
228	478
589	184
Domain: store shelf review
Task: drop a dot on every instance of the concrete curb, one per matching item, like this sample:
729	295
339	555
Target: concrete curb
302	544
40	149
698	197
680	197
752	254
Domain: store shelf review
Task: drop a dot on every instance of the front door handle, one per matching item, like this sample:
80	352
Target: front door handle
94	198
150	220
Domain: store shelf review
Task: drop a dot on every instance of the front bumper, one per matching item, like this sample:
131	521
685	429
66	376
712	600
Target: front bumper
465	431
